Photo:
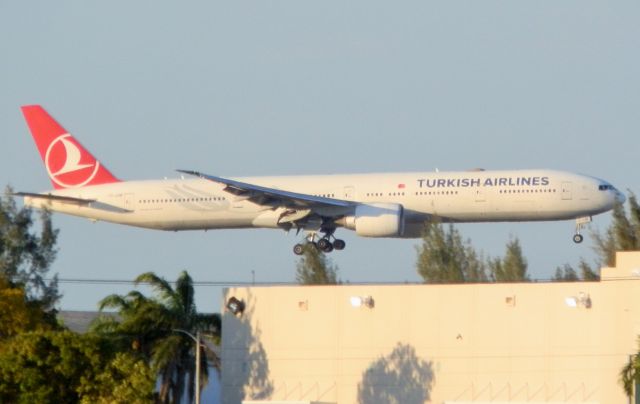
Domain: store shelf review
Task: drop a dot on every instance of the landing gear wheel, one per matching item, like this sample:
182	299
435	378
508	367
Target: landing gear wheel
328	248
339	244
323	244
577	238
298	249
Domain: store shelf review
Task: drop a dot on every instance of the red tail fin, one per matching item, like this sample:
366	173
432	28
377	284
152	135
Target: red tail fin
68	163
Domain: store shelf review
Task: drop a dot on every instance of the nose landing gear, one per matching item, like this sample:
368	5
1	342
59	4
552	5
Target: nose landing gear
580	222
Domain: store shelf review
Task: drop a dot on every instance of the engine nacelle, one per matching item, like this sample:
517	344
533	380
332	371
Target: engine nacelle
376	220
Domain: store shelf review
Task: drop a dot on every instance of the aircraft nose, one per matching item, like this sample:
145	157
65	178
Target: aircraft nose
620	198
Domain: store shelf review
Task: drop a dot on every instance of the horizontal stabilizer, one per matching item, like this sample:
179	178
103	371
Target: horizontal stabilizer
57	198
89	203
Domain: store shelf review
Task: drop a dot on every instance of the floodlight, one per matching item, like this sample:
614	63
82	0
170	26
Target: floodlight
359	301
356	301
571	301
235	306
582	300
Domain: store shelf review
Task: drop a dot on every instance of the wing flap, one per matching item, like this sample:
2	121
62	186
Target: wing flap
271	196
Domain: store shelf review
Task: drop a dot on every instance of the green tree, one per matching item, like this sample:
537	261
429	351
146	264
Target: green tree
314	268
622	235
565	273
568	273
65	367
587	273
124	379
149	325
511	268
630	374
443	257
17	314
26	256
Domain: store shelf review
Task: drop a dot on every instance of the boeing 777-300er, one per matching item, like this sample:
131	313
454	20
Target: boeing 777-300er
374	205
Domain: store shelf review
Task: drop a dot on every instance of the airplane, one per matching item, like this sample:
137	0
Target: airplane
394	205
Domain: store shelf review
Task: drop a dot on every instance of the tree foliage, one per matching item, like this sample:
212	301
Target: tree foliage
17	314
587	273
149	326
124	379
64	367
511	268
630	374
27	298
443	257
314	268
565	273
622	235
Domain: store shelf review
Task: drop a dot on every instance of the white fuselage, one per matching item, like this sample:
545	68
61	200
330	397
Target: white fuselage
470	196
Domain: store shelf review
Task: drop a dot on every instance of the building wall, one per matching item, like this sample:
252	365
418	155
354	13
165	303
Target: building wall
518	343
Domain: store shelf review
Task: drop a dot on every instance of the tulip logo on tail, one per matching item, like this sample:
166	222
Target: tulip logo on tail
65	165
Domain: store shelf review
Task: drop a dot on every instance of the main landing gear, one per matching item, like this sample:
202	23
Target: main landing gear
323	244
580	222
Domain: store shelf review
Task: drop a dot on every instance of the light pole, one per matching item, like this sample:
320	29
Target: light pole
197	341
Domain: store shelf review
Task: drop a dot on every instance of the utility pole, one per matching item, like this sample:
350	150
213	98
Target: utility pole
197	341
197	367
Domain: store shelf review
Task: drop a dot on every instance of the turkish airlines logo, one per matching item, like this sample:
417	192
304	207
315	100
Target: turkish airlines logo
63	163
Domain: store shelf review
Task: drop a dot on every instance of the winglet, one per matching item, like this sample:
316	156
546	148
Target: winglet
191	172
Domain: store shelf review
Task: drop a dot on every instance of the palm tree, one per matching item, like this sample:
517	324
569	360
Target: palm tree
150	326
630	374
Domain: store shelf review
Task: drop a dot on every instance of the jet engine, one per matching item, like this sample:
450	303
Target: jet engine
376	220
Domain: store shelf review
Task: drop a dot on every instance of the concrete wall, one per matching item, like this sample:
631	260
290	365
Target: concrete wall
518	343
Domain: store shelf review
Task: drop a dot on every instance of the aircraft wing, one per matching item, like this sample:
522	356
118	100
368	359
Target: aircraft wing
274	197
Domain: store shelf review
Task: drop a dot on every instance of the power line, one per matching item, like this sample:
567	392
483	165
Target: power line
90	281
96	281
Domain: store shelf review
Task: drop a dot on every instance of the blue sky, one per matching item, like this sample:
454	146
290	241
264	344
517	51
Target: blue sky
280	88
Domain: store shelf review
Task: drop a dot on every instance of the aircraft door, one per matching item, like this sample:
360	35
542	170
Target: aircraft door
349	193
130	202
566	191
584	192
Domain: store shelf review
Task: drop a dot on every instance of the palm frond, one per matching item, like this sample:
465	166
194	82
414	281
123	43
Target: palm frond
113	301
167	351
630	375
210	323
104	324
184	293
158	284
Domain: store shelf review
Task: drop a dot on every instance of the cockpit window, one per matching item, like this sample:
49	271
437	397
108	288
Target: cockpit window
605	187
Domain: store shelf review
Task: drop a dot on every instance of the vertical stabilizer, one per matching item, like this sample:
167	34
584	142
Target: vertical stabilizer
68	163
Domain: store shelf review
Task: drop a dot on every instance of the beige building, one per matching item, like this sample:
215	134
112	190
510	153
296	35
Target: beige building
476	343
